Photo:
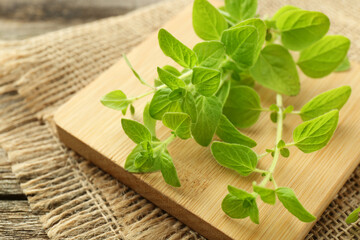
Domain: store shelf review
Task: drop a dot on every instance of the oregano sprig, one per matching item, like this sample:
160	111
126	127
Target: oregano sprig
213	94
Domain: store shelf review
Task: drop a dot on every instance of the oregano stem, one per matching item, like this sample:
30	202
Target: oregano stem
279	131
148	93
165	143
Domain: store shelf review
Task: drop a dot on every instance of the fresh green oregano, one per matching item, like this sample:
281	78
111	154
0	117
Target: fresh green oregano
213	94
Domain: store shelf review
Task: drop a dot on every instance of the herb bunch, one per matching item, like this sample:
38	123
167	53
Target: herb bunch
213	95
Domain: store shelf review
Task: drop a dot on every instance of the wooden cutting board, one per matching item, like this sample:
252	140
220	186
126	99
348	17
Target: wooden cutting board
95	132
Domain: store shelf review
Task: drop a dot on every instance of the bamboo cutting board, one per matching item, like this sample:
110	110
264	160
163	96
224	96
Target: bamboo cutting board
95	132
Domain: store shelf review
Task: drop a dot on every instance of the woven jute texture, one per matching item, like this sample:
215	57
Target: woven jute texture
73	198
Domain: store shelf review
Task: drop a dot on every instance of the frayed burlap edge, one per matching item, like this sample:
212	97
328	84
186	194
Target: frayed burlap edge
74	199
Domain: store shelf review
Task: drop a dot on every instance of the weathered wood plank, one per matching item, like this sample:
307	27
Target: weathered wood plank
18	222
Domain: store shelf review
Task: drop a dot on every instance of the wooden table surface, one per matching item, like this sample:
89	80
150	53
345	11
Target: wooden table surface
21	19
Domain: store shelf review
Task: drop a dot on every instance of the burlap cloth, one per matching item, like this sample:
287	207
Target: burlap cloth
73	198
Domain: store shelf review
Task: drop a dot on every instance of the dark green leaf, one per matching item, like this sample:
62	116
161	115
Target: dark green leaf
227	132
177	94
242	107
353	217
285	152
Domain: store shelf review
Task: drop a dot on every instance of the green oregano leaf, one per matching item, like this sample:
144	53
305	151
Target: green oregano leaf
160	104
288	198
179	122
273	117
172	70
285	152
223	92
206	80
177	94
136	153
149	122
299	28
242	107
210	54
276	69
234	156
188	105
241	45
323	57
135	131
170	80
208	22
116	100
176	50
267	195
353	217
168	170
208	117
227	132
314	134
241	9
325	102
281	144
283	10
134	71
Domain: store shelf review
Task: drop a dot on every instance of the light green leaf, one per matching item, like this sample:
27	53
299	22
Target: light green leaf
177	94
227	132
276	69
242	107
267	195
188	105
234	156
283	10
160	104
208	22
285	152
239	193
179	122
206	80
325	102
210	54
242	79
241	44
299	28
168	170
323	57
313	135
223	92
208	117
241	9
344	66
116	100
149	122
176	50
353	217
172	70
288	198
136	131
137	152
135	72
170	80
261	30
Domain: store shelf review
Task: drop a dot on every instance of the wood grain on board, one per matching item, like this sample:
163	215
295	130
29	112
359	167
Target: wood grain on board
95	132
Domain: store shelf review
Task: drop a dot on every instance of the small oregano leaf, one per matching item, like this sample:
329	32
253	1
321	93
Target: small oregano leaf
179	122
135	72
314	134
267	195
344	66
300	28
160	104
325	102
168	170
210	54
241	45
353	217
208	117
324	56
170	80
174	49
283	10
285	152
288	198
149	122
116	100
137	152
208	22
242	107
241	9
236	157
281	144
276	69
206	80
172	70
188	105
136	131
223	92
227	132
